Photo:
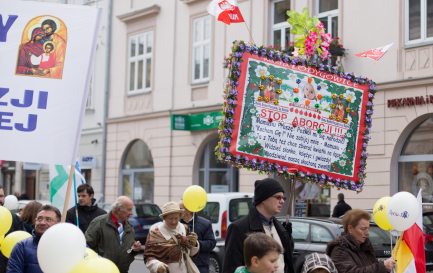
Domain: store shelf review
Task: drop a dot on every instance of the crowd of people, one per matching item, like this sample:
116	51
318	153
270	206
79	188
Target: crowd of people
182	241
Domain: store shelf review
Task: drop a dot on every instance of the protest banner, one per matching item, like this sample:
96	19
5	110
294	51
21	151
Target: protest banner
284	115
46	51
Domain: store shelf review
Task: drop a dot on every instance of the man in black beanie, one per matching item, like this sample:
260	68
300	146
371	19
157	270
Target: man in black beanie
268	202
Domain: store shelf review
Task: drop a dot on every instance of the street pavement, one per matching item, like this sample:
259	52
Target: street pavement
138	266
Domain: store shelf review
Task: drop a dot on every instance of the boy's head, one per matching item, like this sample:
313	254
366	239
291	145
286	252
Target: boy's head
261	253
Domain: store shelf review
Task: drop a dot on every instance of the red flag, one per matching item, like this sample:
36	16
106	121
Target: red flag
409	251
375	53
226	11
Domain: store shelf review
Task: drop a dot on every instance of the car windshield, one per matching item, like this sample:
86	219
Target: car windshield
378	236
147	210
210	212
428	222
239	208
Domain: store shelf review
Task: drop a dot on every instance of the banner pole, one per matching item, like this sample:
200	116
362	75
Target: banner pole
68	193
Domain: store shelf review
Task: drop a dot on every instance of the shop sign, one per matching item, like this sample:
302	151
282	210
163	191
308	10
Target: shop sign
31	166
410	101
196	122
87	162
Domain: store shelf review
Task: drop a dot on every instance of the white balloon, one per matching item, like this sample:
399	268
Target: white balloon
61	247
11	202
403	210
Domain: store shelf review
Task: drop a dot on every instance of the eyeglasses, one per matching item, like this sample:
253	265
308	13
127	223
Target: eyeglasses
279	197
47	219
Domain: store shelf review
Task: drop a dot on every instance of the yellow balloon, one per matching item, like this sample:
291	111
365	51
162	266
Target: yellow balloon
194	198
96	265
5	220
89	253
11	240
1	240
380	215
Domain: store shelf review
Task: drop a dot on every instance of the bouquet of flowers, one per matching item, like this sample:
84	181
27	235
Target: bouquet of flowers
312	39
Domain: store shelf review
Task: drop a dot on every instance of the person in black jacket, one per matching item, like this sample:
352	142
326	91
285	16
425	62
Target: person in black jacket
341	208
87	210
206	238
268	202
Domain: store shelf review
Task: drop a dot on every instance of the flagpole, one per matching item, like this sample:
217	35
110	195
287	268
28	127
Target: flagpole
249	31
75	197
68	193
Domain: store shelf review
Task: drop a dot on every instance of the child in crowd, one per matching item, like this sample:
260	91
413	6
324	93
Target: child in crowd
261	253
318	263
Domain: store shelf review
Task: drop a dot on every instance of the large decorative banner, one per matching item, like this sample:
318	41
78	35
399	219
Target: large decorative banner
46	51
283	116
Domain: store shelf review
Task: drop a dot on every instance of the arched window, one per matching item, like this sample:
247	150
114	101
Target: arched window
216	176
137	172
415	164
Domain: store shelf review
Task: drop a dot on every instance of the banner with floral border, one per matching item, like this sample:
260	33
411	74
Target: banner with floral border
286	116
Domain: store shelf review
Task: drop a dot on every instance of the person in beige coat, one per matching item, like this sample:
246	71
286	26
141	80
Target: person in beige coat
168	246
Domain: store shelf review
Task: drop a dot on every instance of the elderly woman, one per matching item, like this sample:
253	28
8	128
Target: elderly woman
168	246
352	251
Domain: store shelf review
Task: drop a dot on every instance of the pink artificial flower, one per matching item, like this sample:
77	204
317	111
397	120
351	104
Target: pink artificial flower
325	54
320	26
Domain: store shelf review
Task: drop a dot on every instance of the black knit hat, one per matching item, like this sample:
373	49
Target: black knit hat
265	188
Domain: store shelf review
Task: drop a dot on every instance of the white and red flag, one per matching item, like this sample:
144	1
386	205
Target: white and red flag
375	53
409	250
226	11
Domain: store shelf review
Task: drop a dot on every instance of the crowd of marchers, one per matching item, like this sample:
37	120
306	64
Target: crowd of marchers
182	241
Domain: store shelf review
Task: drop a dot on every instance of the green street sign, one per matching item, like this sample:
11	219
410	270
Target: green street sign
196	122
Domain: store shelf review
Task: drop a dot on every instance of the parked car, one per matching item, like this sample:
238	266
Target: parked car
428	234
144	215
222	209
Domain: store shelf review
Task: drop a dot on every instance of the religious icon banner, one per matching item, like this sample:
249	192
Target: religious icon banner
46	51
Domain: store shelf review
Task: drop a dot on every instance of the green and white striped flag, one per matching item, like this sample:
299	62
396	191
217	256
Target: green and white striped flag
59	182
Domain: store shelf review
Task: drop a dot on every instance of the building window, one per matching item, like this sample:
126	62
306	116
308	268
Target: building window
280	26
216	176
415	164
140	49
201	49
419	21
327	13
138	173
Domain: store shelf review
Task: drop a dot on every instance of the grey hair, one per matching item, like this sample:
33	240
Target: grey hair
119	204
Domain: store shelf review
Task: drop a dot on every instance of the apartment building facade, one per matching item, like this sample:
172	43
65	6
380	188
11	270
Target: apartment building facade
166	74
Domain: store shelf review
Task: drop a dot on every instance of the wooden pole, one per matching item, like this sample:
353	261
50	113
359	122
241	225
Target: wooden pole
68	193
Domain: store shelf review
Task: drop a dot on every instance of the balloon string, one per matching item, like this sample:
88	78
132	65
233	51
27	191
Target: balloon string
193	216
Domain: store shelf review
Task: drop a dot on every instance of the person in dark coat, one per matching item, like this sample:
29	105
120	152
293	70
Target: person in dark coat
112	237
16	225
352	251
206	238
341	208
86	208
24	258
268	202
